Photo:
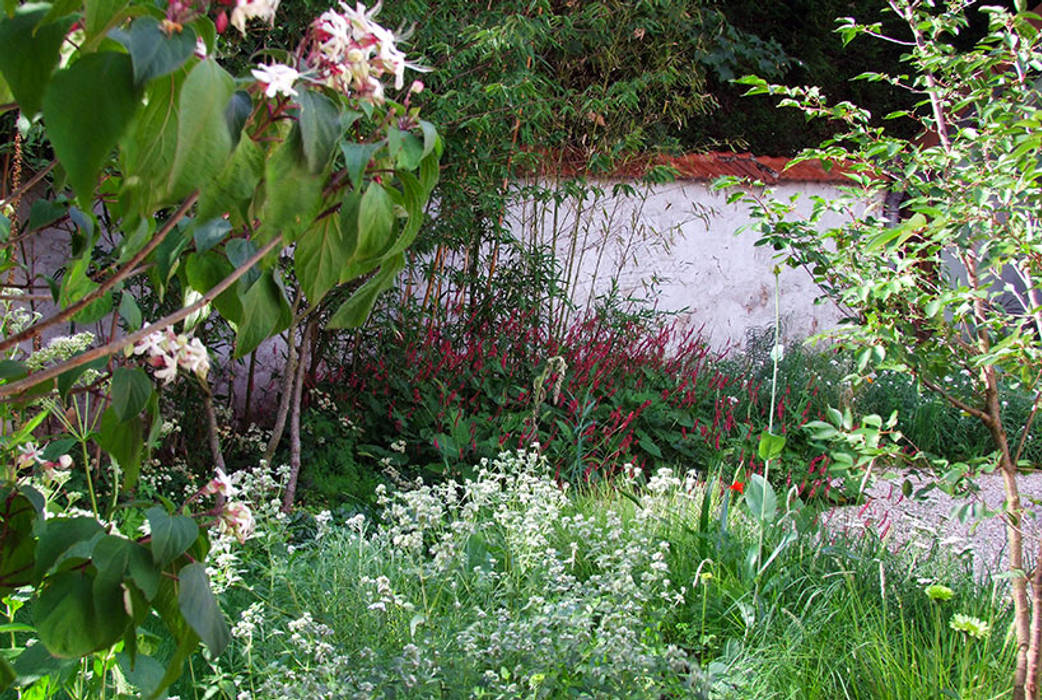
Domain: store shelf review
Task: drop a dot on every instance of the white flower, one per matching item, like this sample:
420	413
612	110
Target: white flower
194	358
246	10
219	484
28	455
237	520
278	78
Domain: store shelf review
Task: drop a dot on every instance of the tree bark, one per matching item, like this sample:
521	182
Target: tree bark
289	495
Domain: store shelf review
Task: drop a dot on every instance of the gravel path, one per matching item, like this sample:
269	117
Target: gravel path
916	523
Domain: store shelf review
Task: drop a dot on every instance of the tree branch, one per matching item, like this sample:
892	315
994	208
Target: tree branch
124	272
13	389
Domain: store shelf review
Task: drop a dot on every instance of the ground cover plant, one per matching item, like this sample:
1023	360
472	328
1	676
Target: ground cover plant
507	585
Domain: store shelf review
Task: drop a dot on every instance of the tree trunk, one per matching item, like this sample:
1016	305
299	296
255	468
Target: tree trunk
294	418
286	397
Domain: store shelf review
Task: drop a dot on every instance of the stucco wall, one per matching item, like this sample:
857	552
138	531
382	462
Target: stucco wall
677	245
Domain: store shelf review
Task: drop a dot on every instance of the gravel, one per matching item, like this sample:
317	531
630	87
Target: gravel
922	523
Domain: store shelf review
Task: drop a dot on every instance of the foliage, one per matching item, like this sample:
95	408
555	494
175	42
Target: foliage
943	285
619	389
167	167
507	585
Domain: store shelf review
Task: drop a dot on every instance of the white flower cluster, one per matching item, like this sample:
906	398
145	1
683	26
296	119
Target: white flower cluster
167	351
59	349
346	51
245	10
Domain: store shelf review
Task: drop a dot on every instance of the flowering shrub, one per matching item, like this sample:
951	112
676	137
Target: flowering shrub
608	391
174	172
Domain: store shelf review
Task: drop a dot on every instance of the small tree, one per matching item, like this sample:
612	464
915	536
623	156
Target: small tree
170	169
939	261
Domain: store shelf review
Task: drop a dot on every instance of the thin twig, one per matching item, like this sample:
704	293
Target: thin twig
15	388
29	183
123	273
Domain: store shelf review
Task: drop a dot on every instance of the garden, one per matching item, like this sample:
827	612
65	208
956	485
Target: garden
453	479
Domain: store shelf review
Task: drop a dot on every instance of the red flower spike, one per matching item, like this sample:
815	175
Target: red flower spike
738	487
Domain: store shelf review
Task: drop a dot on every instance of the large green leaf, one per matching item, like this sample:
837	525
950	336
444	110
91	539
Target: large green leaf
264	311
203	140
205	271
292	195
61	539
234	186
375	222
124	441
74	617
319	256
353	312
154	52
28	57
86	107
200	609
172	535
131	389
149	146
357	157
17	545
102	15
320	129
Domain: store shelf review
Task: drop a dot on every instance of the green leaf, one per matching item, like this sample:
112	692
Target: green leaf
45	212
353	312
65	618
30	54
7	674
17	544
102	15
411	152
87	106
131	389
129	311
237	112
320	129
292	195
154	52
760	499
770	446
203	140
64	538
171	535
430	137
144	672
357	157
124	441
234	186
205	271
264	311
13	370
319	256
210	233
148	148
375	222
647	444
67	379
200	609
